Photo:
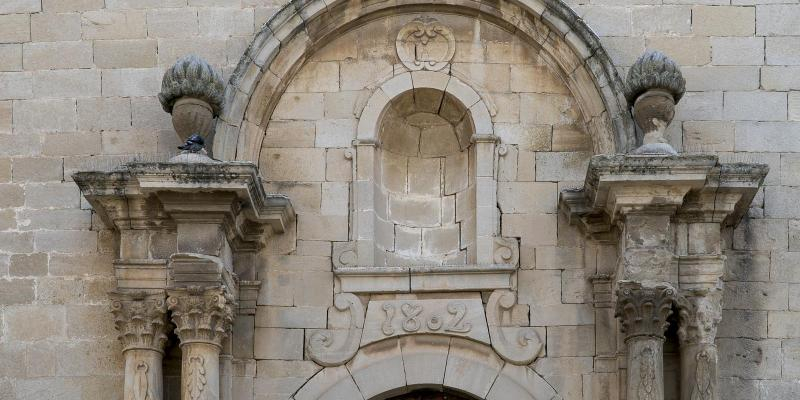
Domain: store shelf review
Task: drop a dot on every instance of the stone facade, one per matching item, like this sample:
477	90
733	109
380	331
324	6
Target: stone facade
398	204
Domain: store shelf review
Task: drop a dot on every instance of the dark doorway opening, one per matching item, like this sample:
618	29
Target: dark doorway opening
429	394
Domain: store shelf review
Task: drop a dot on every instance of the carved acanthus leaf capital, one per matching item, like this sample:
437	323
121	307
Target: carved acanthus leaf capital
700	313
141	319
643	310
201	314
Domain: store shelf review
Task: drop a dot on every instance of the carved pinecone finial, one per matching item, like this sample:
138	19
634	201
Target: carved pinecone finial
191	76
654	70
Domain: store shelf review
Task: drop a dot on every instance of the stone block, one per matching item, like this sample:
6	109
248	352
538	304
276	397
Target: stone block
415	211
783	50
308	106
76	359
783	324
16	85
16	242
527	197
71	144
756	296
755	106
488	77
343	104
705	136
20	6
778	20
743	323
96	264
55	219
570	341
89	322
127	142
306	197
794	235
57	6
318	289
747	266
322	227
781	201
291	317
562	314
440	240
794	106
66	241
535	230
66	83
776	389
749	359
685	50
109	24
138	53
104	113
699	106
11	57
791	358
47	27
129	82
27	323
225	22
38	169
356	75
548	109
539	288
147	114
16	291
780	78
212	50
335	198
172	23
57	55
5	170
462	372
278	344
13	360
381	372
767	136
713	78
11	196
293	164
289	134
15	28
723	21
606	20
737	50
335	132
662	20
561	166
425	176
281	378
28	264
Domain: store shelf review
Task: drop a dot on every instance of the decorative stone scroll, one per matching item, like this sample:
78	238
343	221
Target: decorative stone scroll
453	317
331	347
506	251
425	44
515	344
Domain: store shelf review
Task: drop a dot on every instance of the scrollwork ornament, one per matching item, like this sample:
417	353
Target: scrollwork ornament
647	374
332	347
506	251
425	44
514	344
196	377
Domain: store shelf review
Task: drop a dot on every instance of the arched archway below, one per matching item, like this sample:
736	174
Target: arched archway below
300	29
398	366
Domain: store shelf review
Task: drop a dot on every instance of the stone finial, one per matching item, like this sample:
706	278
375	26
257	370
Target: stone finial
193	93
654	85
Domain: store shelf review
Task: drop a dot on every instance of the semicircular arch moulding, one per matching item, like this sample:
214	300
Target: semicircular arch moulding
301	28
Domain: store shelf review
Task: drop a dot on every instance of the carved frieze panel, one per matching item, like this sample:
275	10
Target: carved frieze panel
454	317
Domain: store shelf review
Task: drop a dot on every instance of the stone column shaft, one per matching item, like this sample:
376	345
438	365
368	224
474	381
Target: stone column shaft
700	313
141	319
203	318
643	312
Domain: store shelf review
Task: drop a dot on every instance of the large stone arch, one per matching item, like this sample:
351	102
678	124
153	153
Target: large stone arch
400	365
302	27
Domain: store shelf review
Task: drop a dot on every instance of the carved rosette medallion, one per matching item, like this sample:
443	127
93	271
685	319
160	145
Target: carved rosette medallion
201	314
425	44
141	319
643	310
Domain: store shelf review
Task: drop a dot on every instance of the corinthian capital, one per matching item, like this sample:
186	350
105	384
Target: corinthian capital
643	310
141	319
699	312
201	314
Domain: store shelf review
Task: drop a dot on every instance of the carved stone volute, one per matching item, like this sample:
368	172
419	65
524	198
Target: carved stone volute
141	319
700	313
201	314
643	310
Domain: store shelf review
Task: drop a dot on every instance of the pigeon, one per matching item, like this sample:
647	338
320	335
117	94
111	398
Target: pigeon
194	144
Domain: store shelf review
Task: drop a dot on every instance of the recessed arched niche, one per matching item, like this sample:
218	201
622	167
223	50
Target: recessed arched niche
425	186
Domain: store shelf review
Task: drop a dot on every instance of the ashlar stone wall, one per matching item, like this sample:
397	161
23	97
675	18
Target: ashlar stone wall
78	80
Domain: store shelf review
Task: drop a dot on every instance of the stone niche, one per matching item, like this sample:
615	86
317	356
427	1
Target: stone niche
425	191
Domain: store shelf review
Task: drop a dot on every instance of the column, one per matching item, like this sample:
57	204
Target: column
203	318
700	313
141	319
643	313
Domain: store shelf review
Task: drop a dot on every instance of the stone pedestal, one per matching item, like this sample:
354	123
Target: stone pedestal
141	319
203	319
643	313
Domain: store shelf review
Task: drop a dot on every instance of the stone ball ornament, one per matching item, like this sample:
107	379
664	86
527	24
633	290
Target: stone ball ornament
193	93
654	86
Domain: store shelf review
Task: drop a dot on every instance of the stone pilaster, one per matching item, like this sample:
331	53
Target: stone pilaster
643	313
700	312
203	318
141	319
